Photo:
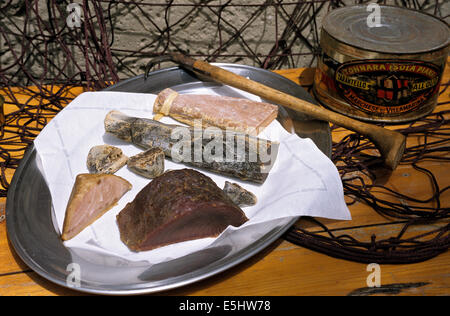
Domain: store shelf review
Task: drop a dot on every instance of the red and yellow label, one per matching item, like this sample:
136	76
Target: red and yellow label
387	87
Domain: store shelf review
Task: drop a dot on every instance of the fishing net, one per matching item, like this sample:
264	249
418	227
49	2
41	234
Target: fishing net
357	170
51	51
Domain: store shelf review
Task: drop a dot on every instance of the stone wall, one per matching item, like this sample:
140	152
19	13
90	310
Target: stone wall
270	34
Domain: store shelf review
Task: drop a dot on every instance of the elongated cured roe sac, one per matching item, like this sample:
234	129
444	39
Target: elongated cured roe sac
179	205
242	156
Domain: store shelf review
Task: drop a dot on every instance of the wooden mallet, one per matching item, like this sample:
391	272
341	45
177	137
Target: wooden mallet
391	144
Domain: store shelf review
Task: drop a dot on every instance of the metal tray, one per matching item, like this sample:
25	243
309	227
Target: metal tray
32	233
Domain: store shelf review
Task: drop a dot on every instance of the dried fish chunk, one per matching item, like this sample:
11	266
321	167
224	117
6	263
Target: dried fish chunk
105	159
149	164
240	196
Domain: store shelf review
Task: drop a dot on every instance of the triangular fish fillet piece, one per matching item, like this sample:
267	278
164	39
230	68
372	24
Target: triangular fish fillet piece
92	196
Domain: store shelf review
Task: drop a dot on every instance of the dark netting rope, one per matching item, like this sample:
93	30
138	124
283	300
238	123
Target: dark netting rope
34	36
357	169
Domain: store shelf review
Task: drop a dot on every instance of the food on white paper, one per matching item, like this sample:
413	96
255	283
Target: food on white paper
240	115
92	196
149	164
242	156
179	205
240	196
105	159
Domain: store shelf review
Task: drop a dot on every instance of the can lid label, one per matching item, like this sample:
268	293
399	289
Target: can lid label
387	87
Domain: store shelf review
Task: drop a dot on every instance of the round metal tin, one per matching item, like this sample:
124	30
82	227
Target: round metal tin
382	68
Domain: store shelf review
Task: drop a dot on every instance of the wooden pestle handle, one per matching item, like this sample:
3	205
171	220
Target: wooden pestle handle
391	144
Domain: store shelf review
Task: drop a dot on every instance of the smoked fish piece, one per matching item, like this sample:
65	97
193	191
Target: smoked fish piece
149	164
179	205
238	155
239	195
237	114
92	196
105	159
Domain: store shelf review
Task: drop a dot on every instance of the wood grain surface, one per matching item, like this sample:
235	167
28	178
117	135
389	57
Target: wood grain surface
286	269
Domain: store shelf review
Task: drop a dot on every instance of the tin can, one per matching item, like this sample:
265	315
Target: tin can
385	68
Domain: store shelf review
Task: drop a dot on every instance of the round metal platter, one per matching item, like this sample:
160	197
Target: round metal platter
32	233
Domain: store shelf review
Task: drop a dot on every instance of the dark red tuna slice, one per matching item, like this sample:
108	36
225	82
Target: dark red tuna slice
179	205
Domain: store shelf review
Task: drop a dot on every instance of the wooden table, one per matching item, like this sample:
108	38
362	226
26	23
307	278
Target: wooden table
284	268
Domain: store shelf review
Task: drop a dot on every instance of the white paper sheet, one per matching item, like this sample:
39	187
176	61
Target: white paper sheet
303	181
